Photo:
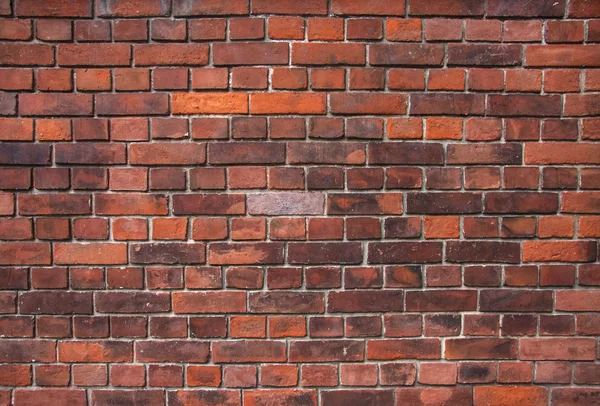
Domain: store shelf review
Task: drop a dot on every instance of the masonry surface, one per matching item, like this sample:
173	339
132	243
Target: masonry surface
280	202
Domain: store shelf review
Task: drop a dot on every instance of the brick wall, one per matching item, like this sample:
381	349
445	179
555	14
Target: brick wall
280	202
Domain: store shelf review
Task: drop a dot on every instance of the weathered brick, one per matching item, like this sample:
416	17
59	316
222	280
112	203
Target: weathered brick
211	7
447	8
167	253
483	251
446	104
94	55
481	348
326	153
286	302
167	154
248	351
52	204
557	349
93	253
510	300
406	54
138	302
245	253
367	103
130	204
324	253
427	348
112	8
172	54
328	54
55	104
326	351
95	351
17	54
434	301
132	104
484	55
172	351
250	54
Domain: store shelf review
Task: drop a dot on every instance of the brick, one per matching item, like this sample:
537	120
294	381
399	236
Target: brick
545	8
447	7
328	54
48	397
403	349
446	104
171	54
90	154
168	30
441	301
446	203
368	8
484	55
250	54
167	153
521	202
560	251
443	30
324	253
404	252
406	54
172	351
209	302
326	153
326	351
248	351
557	349
149	397
132	104
286	302
130	204
55	104
245	253
209	204
98	253
581	105
405	153
561	55
212	7
516	300
93	55
364	301
49	204
209	103
359	103
367	29
509	395
364	204
53	8
404	29
289	7
130	30
285	203
287	103
131	9
573	396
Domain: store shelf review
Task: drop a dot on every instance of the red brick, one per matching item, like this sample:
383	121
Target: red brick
54	8
172	54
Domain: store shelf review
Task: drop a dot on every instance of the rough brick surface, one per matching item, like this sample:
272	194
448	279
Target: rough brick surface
300	202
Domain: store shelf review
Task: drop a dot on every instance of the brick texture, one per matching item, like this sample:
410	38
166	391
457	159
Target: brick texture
299	202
